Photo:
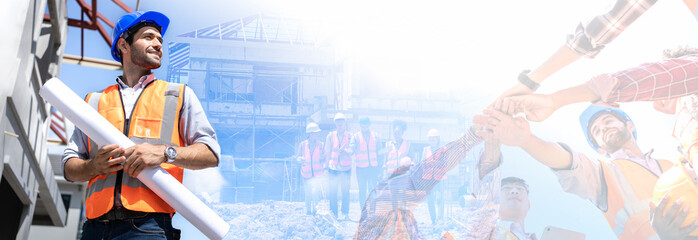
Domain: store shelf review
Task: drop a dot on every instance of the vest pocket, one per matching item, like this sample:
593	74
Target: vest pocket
147	127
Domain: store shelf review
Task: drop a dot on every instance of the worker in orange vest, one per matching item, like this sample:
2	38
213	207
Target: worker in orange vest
513	208
396	149
431	152
339	146
165	120
621	187
310	155
366	159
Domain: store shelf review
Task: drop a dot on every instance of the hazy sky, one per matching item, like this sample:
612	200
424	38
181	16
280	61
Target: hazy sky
473	49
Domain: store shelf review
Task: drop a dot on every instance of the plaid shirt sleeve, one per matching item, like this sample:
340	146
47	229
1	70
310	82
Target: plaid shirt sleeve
588	40
667	79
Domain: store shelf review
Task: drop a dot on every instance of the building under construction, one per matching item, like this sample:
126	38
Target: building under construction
262	78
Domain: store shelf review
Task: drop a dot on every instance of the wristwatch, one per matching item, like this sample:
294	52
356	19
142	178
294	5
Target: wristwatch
170	154
526	81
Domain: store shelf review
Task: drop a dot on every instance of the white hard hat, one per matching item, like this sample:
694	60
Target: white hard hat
312	127
433	133
339	116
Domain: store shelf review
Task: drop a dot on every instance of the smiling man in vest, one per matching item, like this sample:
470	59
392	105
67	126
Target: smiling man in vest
366	159
339	147
621	187
166	122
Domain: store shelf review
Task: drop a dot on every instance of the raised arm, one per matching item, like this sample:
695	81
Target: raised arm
517	132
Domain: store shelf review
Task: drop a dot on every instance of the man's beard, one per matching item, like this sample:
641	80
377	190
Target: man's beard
140	58
616	140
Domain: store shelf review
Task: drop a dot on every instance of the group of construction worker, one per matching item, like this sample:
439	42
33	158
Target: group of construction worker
641	197
326	167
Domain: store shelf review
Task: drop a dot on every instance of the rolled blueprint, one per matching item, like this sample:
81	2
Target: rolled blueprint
157	179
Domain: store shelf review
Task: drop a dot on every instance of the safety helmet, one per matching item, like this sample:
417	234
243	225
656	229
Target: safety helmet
131	19
675	183
312	127
339	116
365	121
433	133
594	111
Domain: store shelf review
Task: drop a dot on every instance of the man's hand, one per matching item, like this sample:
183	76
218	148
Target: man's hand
537	107
143	156
516	90
506	129
668	225
666	106
108	159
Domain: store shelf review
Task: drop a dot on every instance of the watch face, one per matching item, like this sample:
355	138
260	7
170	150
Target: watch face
171	153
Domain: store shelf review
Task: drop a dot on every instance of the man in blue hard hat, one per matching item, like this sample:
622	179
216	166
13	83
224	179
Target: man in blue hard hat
165	120
620	186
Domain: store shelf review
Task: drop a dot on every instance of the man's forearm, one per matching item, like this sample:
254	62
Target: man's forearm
560	59
490	159
548	153
78	170
195	156
576	94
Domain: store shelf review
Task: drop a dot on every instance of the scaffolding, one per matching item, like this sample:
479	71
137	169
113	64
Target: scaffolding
254	97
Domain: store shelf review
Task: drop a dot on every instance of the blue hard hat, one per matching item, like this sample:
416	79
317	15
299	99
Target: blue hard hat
592	112
364	121
131	19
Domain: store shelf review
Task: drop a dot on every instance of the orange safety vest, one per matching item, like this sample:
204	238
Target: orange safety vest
367	152
500	233
155	120
312	165
336	148
393	156
629	188
431	171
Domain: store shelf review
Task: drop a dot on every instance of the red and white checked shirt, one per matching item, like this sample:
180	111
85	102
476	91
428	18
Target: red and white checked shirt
588	40
667	79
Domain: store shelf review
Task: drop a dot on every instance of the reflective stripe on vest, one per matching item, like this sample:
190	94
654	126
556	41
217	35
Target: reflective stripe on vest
367	151
629	189
502	234
393	157
431	170
312	165
155	120
336	148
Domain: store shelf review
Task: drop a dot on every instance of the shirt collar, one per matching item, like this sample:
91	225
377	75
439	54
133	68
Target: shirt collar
625	154
142	82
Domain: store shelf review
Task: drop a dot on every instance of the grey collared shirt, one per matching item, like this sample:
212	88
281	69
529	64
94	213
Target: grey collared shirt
193	124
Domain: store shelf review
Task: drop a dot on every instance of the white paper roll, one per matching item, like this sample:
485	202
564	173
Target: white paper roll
157	179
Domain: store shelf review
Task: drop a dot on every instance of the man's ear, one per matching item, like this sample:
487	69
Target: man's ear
123	46
630	126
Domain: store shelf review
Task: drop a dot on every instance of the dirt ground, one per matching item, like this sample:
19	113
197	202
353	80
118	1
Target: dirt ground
287	220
